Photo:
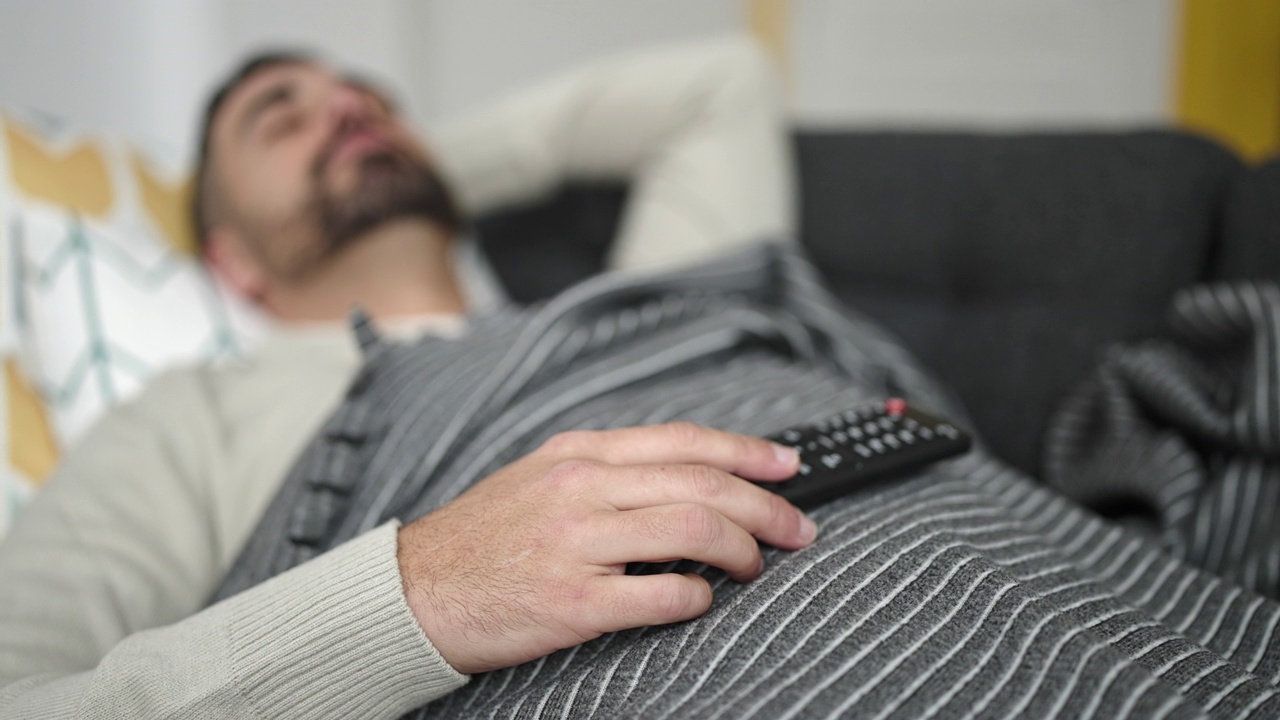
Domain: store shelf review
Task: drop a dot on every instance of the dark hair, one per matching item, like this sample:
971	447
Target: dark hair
201	196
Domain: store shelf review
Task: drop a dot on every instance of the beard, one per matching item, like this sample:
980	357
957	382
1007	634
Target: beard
390	185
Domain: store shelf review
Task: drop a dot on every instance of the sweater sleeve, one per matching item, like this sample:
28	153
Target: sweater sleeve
698	130
330	638
103	578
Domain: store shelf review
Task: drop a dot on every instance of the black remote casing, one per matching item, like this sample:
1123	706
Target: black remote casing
844	452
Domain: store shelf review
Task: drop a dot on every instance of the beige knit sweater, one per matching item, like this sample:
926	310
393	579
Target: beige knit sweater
102	580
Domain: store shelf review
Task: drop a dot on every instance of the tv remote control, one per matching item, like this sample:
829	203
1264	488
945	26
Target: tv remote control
845	451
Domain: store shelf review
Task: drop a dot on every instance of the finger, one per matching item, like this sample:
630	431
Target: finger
628	601
676	532
761	513
682	442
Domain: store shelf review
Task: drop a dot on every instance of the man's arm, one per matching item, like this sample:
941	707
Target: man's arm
103	579
121	545
698	130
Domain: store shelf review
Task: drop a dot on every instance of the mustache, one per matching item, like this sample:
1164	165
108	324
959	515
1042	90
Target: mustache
331	146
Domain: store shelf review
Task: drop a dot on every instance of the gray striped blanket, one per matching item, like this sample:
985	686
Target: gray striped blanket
1180	438
966	590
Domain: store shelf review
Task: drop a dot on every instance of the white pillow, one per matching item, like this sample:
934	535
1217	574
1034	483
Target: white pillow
101	308
99	300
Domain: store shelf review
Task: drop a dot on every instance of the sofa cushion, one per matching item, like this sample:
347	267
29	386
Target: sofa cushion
541	248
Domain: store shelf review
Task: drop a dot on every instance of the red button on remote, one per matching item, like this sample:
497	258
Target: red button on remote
895	406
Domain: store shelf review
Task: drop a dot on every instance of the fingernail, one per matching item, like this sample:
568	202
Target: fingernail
786	455
808	529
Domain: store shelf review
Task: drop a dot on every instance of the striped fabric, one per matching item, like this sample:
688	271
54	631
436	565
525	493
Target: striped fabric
1181	437
966	590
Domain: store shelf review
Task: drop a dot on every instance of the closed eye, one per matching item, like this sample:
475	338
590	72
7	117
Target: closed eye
280	122
268	106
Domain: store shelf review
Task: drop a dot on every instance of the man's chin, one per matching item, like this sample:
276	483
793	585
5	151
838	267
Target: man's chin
382	188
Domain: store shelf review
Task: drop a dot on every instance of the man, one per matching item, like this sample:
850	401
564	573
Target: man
315	198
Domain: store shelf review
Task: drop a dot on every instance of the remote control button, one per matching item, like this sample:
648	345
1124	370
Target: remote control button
804	469
840	437
832	461
791	436
827	442
895	406
910	424
863	450
906	436
876	445
948	431
850	416
855	433
836	422
811	446
925	433
892	441
871	429
886	424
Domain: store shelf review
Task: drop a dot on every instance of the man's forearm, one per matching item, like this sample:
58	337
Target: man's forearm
698	131
330	638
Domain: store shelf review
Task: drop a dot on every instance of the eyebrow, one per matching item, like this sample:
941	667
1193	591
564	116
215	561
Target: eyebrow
279	93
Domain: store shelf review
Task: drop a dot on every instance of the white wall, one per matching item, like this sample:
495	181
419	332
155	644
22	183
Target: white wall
984	62
136	67
143	67
367	35
468	51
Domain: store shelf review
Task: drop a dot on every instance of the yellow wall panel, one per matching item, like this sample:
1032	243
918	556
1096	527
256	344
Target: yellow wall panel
1229	73
769	21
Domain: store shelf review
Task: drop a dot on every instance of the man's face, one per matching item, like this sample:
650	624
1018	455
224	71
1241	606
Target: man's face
306	161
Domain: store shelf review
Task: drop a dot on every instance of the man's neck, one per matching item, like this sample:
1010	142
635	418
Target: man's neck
403	268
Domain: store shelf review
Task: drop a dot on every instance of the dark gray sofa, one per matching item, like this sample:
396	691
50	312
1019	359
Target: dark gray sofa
1005	262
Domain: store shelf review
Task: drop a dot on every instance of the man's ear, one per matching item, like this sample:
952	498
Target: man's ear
228	257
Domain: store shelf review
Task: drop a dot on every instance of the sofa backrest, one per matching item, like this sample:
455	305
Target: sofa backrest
1250	240
1005	262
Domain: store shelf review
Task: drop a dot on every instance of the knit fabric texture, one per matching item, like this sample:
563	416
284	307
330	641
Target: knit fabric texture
966	589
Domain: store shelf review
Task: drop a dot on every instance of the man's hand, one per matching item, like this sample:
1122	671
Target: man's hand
531	560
